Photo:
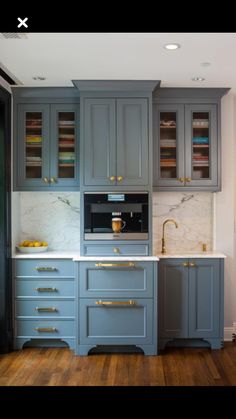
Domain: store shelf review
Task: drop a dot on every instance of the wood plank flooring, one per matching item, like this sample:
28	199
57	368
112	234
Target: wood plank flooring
173	367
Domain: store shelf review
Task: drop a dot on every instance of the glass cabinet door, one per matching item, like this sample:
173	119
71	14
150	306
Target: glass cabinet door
169	131
32	145
201	145
64	170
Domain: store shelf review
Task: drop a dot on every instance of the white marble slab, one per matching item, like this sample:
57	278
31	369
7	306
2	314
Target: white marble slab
116	258
192	255
77	258
46	255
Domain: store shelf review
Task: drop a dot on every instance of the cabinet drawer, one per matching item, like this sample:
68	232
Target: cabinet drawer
44	267
45	328
116	250
45	308
116	324
34	287
116	279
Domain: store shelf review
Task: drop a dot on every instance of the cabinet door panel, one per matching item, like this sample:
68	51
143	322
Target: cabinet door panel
204	298
99	141
32	145
132	141
201	145
173	299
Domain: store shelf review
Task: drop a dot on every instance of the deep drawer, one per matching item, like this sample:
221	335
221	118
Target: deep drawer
34	287
116	250
42	308
116	279
44	267
45	328
116	324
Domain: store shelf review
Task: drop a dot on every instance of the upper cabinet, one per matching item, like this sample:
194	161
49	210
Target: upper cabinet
187	139
46	146
116	133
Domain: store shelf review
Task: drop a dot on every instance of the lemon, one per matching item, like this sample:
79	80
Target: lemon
44	244
25	243
37	244
31	244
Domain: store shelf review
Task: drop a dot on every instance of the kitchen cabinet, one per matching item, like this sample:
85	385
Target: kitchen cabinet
44	295
187	139
46	143
191	302
117	305
116	141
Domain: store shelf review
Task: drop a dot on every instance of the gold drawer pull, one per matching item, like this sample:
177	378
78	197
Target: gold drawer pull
116	303
188	179
45	180
119	178
53	180
181	179
192	264
46	329
185	264
41	289
112	178
116	250
46	309
116	265
45	268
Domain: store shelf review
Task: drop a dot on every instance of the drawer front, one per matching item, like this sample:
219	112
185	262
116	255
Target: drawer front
45	328
42	308
116	324
116	279
44	267
116	250
33	287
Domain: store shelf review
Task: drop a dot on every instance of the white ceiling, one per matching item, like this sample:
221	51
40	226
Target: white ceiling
62	57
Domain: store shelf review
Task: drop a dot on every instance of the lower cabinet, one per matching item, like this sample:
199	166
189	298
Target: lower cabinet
44	302
117	305
191	295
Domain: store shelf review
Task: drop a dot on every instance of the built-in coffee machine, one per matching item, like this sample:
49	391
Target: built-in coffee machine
116	216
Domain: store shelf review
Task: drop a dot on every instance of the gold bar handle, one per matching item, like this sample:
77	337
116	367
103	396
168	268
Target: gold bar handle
45	268
116	303
192	264
46	329
185	264
50	289
46	309
116	265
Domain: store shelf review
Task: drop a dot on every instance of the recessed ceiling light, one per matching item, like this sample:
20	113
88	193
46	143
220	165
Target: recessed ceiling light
41	78
205	64
198	79
172	47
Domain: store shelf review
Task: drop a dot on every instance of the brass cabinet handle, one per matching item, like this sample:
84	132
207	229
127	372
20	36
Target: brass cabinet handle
116	303
185	264
46	309
112	178
116	250
50	289
188	179
119	178
45	268
46	329
53	180
192	264
181	179
116	265
45	180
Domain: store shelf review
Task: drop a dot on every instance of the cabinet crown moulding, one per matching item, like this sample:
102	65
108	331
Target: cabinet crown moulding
116	85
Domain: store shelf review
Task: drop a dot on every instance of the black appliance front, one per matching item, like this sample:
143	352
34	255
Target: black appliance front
116	216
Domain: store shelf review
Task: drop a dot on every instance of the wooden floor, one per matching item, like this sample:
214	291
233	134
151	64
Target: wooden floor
174	367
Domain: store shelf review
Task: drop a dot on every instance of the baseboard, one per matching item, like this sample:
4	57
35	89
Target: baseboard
228	333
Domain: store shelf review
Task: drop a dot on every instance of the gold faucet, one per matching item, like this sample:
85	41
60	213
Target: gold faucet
163	242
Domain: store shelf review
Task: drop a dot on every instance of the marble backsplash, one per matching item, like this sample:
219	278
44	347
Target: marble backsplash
55	217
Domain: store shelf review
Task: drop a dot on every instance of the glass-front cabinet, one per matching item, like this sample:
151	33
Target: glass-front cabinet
185	146
47	146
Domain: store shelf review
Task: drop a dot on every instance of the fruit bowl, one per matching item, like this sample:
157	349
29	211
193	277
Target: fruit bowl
24	249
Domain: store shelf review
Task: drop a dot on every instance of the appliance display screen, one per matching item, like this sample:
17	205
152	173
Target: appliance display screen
116	197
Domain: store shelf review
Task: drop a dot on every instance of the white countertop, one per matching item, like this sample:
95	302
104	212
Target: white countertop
191	255
119	258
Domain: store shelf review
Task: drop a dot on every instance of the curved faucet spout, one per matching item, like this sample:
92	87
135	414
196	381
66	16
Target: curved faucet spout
169	220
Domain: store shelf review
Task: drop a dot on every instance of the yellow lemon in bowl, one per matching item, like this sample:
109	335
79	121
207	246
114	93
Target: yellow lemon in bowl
37	244
44	244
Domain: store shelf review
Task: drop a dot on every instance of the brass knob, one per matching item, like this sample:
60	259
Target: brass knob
192	265
53	180
185	264
181	179
45	180
116	250
188	179
119	178
112	178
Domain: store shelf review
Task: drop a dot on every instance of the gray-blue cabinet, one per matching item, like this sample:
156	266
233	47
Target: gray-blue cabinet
116	142
191	295
117	305
44	296
46	146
